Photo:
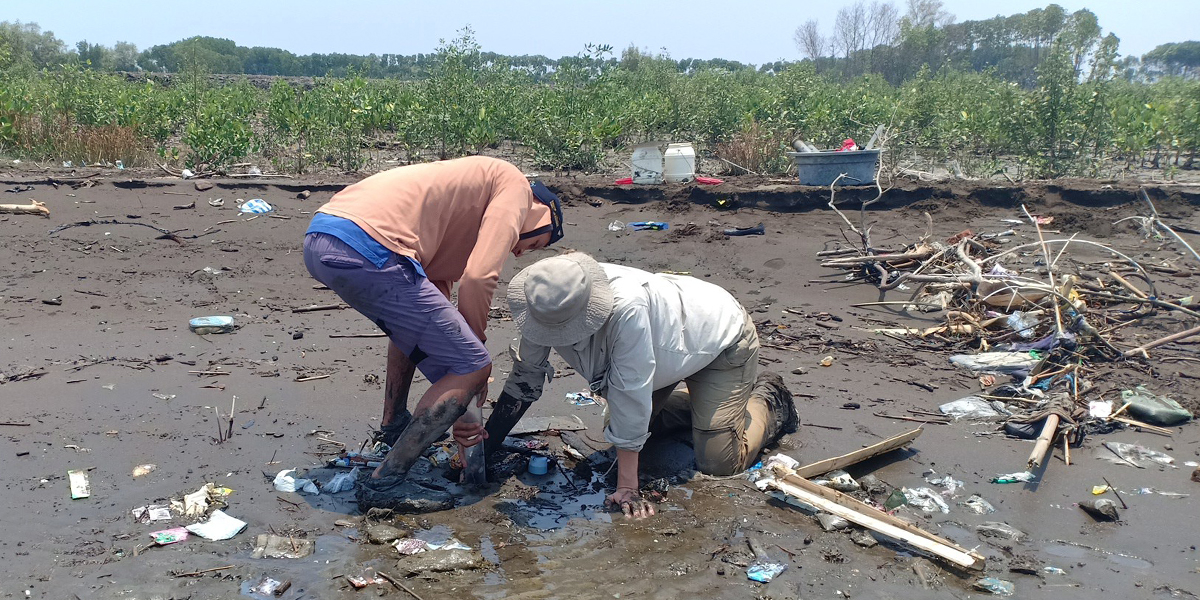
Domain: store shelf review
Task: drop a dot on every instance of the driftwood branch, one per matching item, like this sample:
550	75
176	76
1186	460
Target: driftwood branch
33	208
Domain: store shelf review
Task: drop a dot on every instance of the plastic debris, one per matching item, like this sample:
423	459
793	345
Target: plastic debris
740	231
206	325
197	503
1154	409
1053	570
266	586
951	484
151	513
286	481
972	407
1022	477
1004	531
1100	510
256	206
998	587
895	500
538	465
649	226
995	362
169	536
764	572
342	482
838	480
450	544
1146	491
1100	409
218	202
355	459
926	500
187	174
978	505
616	226
581	399
410	546
145	469
80	486
1023	323
1099	489
832	522
219	526
359	582
1133	455
269	545
827	361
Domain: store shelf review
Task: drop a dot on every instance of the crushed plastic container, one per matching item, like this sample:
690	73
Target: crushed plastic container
971	407
998	587
1154	409
205	325
995	362
474	457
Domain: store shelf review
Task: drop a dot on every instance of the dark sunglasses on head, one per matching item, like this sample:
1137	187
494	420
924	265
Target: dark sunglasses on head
555	228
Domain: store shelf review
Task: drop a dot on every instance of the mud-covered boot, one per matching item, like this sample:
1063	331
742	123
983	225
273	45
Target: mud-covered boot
398	494
388	433
770	387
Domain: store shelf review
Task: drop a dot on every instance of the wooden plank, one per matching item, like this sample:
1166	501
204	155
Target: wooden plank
845	506
845	460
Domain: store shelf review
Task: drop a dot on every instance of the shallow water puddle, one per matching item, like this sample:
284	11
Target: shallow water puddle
1072	551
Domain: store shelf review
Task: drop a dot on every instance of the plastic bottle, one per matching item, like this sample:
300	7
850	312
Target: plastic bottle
474	457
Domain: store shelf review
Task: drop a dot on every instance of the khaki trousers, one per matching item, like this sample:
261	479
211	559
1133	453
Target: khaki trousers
729	424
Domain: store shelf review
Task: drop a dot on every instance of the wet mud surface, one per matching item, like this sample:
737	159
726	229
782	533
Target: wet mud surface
108	377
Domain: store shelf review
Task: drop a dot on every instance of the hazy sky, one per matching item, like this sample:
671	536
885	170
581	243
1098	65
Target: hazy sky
748	31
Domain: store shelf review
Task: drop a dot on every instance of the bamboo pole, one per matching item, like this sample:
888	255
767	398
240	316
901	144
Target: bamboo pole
1162	341
847	507
1038	456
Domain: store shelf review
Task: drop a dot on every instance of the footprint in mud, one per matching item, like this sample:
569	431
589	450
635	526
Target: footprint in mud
775	263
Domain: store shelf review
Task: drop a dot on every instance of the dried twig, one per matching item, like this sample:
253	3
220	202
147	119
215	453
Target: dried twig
396	582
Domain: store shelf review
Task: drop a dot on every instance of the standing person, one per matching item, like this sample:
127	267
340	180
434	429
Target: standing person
635	336
392	245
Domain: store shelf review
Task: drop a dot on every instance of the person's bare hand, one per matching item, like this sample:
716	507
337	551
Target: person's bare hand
468	433
631	503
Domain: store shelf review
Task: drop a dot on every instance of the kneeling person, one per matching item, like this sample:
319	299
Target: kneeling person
635	336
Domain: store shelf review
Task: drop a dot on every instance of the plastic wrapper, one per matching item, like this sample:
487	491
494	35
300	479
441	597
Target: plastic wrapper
998	530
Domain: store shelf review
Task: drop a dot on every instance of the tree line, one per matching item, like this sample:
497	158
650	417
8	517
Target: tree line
866	37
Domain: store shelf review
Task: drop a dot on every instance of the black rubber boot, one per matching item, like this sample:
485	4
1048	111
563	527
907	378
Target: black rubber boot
388	433
770	387
505	413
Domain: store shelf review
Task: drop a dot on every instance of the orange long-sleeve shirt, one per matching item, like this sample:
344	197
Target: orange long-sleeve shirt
459	218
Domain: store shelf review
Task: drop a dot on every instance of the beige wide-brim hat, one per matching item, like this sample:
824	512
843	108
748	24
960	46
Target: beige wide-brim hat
560	301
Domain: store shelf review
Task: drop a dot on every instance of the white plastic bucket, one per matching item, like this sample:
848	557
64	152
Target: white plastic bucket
679	163
647	164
